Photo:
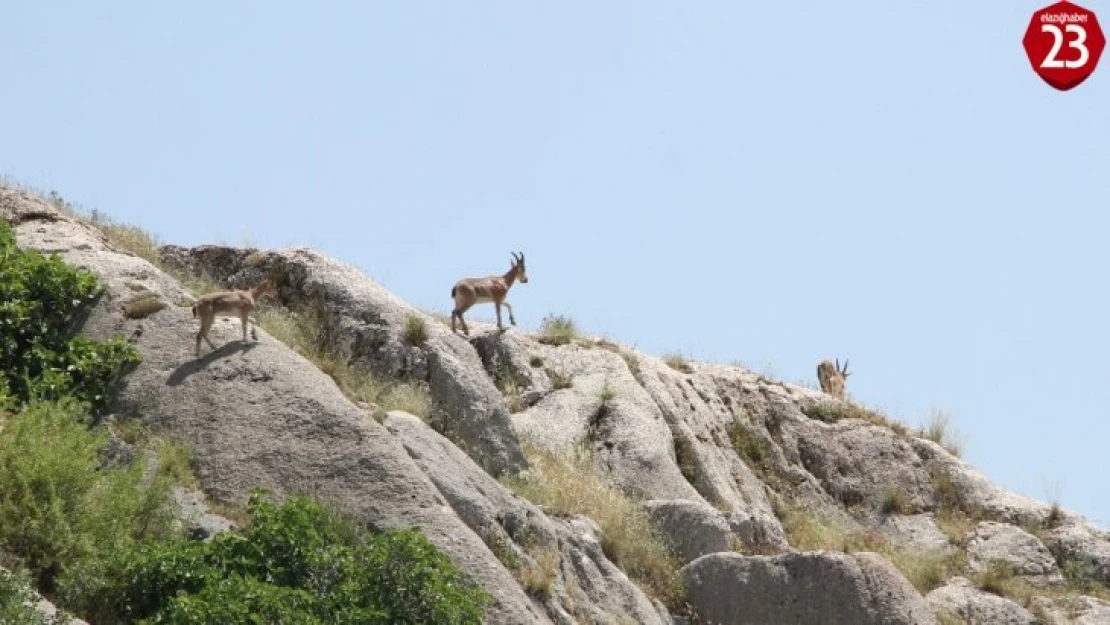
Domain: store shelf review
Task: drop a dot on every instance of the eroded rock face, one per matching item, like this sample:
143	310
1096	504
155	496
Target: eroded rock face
691	529
960	598
802	588
1080	610
561	563
1083	547
918	531
992	542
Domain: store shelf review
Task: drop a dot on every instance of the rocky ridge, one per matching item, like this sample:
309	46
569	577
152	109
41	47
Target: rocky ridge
754	484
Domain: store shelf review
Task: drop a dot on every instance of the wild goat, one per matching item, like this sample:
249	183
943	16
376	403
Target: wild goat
832	377
229	304
470	291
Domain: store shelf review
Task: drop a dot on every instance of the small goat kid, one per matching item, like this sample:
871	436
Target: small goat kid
492	289
832	378
229	304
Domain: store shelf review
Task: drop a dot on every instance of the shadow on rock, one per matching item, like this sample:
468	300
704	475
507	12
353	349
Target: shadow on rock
189	368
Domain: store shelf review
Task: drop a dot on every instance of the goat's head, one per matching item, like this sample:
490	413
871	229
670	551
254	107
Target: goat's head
518	266
266	287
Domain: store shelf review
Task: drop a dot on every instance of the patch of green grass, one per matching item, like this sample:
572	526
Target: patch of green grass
175	460
143	305
678	362
940	431
557	330
567	485
415	331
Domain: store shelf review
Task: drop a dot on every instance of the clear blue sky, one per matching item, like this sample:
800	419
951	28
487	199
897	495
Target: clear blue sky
771	183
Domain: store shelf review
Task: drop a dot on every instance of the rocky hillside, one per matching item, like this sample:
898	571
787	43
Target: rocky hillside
576	480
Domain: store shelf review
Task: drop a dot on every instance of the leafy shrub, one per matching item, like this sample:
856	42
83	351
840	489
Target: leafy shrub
17	601
41	299
297	562
58	506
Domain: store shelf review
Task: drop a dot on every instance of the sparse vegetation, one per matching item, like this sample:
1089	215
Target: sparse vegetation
940	431
751	447
831	412
305	333
686	457
633	366
557	330
894	500
143	305
808	531
568	485
559	380
540	578
512	392
535	361
608	394
678	362
415	331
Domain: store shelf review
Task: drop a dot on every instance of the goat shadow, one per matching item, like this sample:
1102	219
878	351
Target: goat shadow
197	364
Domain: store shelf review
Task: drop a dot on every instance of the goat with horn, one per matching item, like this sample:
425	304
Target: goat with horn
491	289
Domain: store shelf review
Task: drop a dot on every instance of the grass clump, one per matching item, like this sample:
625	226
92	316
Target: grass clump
535	361
512	392
895	501
539	579
940	431
143	305
568	485
297	562
415	331
678	362
754	449
559	380
305	333
557	330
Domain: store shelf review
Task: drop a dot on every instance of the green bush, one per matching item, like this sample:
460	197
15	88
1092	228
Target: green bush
58	506
41	299
17	599
298	561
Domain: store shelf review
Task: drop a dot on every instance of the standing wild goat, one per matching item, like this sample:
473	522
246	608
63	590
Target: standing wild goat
470	291
229	304
832	377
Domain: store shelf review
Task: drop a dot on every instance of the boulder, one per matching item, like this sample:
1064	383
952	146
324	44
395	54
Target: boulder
802	588
992	542
960	598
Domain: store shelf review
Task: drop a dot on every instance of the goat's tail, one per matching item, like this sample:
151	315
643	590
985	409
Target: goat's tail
453	292
194	310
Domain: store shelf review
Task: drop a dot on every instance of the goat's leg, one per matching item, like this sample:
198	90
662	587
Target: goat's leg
497	305
512	320
205	325
243	320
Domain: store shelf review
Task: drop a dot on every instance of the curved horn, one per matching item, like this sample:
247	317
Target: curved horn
845	370
521	257
517	258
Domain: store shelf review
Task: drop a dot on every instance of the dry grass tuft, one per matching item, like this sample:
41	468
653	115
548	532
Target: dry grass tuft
567	485
678	362
415	331
303	332
940	431
143	305
557	330
559	380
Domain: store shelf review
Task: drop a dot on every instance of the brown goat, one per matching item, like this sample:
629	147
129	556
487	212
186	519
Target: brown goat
229	304
833	379
491	289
